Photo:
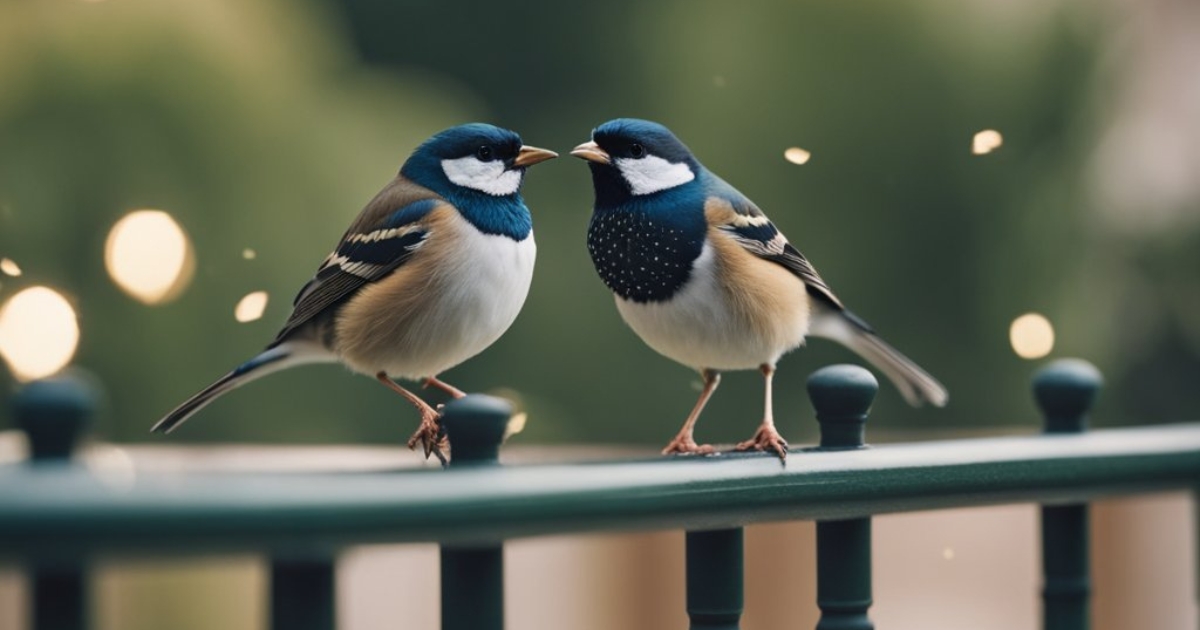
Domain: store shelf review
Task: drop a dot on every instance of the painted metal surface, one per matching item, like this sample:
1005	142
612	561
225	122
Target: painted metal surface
49	510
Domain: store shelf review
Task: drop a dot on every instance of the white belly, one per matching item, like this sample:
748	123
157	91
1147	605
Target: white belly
700	328
466	300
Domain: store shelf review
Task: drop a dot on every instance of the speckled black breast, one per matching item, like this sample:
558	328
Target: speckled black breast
642	258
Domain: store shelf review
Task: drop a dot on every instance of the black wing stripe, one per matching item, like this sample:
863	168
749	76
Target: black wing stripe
374	253
365	254
799	265
776	249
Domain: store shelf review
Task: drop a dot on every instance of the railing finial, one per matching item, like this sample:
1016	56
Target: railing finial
54	414
1065	391
475	426
472	576
842	395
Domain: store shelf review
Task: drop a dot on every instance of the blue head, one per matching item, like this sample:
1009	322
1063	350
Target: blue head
478	168
648	226
632	159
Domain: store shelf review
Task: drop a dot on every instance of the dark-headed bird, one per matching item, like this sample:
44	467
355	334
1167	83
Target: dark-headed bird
431	273
705	278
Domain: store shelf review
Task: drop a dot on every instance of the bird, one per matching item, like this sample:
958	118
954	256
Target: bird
433	270
701	274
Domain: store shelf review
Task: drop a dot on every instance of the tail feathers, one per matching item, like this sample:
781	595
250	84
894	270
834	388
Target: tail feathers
915	384
266	362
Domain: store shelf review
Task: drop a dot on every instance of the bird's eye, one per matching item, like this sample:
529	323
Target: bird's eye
636	150
484	153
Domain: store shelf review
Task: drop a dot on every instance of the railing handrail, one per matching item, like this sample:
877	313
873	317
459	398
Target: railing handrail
61	509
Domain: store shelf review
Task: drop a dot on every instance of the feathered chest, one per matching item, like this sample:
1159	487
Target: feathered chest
643	258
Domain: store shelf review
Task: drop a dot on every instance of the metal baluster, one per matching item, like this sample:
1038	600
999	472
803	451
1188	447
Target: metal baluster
714	579
1064	391
473	575
303	594
842	396
53	414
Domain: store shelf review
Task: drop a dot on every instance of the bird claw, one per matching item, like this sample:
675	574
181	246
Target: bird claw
766	439
685	445
431	437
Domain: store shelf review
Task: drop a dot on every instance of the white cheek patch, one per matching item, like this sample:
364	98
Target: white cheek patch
488	177
652	174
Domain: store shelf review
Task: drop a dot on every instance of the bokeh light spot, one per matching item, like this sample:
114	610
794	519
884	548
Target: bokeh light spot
516	424
149	256
1032	336
250	307
9	267
249	254
986	141
796	155
38	333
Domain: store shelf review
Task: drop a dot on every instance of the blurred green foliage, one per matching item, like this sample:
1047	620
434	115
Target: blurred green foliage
268	124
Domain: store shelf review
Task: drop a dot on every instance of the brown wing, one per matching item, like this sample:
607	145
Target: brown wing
751	229
382	238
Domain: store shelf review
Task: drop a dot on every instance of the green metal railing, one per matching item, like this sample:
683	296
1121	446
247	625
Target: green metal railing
55	515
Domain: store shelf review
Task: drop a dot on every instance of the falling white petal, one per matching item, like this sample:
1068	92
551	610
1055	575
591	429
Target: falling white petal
9	267
986	141
251	307
796	155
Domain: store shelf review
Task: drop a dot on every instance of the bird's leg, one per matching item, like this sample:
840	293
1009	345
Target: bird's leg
684	443
767	438
436	383
429	431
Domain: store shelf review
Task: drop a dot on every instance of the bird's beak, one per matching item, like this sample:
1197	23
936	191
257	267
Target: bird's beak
528	156
592	152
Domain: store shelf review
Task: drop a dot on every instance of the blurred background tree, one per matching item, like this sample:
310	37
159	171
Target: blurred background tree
263	127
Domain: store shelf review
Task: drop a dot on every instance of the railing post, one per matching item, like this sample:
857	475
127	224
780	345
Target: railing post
53	414
842	396
303	593
473	575
1064	391
714	579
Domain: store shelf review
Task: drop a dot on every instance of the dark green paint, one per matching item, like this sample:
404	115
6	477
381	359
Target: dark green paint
59	599
303	594
1066	587
472	588
472	576
714	579
475	426
842	396
54	513
844	574
63	511
54	414
1065	391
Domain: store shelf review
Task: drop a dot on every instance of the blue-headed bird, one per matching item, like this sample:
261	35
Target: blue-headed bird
704	278
432	271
